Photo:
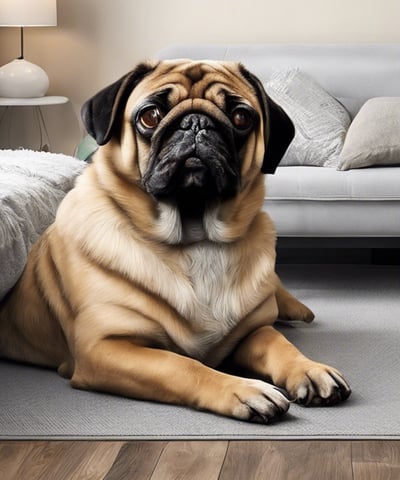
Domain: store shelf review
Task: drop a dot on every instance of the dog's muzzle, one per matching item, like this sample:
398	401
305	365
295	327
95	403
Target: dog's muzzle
193	160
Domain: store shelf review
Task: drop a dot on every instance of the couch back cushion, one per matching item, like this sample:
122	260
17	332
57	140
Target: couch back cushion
353	73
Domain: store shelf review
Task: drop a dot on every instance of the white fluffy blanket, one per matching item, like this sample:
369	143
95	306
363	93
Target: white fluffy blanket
32	184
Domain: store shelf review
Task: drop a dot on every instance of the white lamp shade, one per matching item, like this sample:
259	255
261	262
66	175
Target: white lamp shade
28	13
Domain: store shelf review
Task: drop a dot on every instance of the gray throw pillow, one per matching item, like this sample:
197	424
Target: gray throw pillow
374	135
321	122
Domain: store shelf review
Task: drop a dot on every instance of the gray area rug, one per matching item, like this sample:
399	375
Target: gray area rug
357	329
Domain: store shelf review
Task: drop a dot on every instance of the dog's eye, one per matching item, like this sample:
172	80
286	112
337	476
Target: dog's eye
150	117
242	118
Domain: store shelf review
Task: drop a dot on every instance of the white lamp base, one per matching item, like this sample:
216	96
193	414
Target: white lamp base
23	79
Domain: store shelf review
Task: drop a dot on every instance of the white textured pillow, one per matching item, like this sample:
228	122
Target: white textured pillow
321	122
374	135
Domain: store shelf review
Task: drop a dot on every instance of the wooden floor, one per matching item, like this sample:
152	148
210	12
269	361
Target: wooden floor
200	460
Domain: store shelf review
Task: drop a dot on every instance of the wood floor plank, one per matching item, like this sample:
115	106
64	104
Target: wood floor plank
12	455
288	460
136	461
146	460
36	462
62	461
376	460
97	461
197	460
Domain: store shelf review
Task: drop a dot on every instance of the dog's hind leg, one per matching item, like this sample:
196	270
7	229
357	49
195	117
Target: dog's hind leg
289	307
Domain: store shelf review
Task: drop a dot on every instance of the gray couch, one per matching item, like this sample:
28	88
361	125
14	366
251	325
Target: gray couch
313	205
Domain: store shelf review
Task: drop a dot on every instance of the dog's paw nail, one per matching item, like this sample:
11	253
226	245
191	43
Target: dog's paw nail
283	392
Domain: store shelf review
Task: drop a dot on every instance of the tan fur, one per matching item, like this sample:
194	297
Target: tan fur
119	296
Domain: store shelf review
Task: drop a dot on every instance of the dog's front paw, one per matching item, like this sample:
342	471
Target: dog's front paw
315	384
257	401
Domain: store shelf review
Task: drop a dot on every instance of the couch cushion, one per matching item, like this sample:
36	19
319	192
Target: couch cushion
301	218
320	121
362	70
374	135
323	202
315	184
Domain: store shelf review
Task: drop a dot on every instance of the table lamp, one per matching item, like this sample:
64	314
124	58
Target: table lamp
20	78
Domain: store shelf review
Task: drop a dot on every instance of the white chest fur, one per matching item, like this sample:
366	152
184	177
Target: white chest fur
212	273
213	285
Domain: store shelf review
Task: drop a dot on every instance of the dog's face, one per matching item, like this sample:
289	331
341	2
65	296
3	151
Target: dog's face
193	134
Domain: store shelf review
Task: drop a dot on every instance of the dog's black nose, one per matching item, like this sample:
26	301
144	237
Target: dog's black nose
196	122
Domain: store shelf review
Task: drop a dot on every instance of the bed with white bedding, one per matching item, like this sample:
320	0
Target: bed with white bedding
32	184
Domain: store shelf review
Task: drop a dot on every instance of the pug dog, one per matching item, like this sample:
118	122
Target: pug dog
160	265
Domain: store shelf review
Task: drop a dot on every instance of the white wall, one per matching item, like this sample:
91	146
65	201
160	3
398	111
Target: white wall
97	41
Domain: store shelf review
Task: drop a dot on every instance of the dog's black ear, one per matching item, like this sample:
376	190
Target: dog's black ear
279	129
102	113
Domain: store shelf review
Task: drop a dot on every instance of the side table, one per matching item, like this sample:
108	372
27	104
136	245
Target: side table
36	104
